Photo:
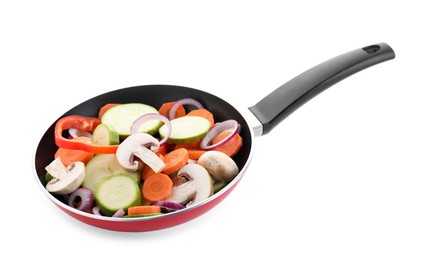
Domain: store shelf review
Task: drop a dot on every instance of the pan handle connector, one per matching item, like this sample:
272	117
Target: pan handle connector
283	101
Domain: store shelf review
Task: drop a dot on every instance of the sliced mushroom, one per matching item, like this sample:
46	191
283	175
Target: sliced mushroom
221	167
196	185
65	179
142	146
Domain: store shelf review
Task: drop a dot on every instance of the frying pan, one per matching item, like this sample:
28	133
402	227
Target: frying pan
258	120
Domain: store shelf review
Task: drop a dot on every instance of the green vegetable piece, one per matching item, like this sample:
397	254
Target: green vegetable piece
186	129
217	186
102	166
105	135
116	192
48	177
121	118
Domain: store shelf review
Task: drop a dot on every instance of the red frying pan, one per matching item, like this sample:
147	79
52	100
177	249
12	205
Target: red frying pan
258	120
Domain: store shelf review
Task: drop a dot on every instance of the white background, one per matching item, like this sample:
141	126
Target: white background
344	177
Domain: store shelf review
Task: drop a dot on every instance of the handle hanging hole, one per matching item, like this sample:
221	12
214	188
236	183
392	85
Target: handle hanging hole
371	49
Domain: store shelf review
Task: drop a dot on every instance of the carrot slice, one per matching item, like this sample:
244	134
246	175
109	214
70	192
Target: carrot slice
231	147
164	110
202	112
69	156
194	154
163	149
157	187
174	160
147	171
104	108
192	145
136	210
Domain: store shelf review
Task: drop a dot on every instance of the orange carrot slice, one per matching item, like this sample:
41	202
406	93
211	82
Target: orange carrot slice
194	154
192	145
164	110
157	187
174	160
231	147
136	210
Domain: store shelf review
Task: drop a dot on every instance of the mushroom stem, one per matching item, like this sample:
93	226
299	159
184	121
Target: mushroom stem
143	146
196	185
57	169
183	193
150	158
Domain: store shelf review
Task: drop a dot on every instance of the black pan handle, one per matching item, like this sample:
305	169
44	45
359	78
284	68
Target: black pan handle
283	101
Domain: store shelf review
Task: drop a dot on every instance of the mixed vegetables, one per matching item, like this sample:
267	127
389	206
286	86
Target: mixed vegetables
135	160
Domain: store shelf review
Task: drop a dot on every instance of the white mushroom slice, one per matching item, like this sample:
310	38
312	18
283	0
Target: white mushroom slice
219	165
65	179
197	185
143	146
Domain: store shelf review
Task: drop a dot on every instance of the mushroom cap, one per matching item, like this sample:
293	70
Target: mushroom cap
69	182
131	145
219	165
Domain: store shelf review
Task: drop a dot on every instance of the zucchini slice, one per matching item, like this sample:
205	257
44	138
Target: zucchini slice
186	129
102	166
121	118
116	192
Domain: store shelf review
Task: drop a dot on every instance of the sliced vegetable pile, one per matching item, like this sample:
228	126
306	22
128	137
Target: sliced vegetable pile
135	160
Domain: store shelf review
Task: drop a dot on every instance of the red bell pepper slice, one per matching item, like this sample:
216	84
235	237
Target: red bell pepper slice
82	123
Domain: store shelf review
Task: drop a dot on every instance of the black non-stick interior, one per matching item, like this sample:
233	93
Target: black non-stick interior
154	95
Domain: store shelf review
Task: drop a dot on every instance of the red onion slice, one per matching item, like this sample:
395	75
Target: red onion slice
152	116
230	125
170	206
184	101
74	132
86	199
